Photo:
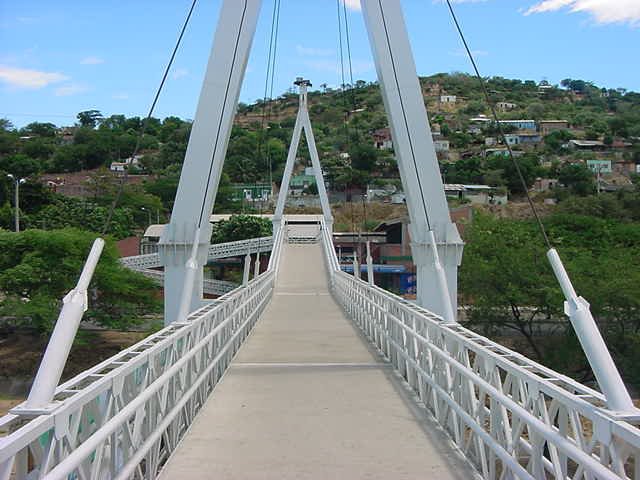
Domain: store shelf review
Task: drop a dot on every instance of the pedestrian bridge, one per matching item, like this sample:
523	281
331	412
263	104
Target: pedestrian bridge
308	372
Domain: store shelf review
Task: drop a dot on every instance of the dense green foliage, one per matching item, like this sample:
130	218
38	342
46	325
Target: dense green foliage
38	268
240	227
509	285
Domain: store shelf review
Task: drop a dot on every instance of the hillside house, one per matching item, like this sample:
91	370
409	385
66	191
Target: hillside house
506	106
545	184
520	124
441	145
587	145
382	139
601	166
514	139
448	99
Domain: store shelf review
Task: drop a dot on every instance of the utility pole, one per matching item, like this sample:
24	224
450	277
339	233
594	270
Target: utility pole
17	182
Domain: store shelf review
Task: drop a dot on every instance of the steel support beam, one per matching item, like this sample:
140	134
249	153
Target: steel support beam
416	156
206	152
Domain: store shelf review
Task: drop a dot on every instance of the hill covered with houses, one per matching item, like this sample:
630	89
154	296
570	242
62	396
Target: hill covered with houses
575	138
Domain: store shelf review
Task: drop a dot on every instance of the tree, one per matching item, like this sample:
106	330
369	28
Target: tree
19	165
6	125
89	118
577	177
240	227
536	111
505	279
38	268
40	129
528	167
508	285
71	212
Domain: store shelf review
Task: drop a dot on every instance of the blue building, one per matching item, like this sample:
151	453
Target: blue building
520	124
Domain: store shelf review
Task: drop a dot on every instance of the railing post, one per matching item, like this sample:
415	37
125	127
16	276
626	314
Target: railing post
247	269
256	269
64	332
369	264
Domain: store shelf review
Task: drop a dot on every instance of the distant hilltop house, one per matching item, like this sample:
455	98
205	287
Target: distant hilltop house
441	145
251	192
514	139
506	106
544	88
502	152
477	123
546	127
593	145
122	166
520	124
448	99
476	194
382	139
545	184
600	166
66	134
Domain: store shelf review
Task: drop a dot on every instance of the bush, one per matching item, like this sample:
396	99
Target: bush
39	267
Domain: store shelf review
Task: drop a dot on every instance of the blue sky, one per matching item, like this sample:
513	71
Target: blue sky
59	58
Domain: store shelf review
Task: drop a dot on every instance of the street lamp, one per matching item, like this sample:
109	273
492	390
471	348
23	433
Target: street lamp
148	214
17	182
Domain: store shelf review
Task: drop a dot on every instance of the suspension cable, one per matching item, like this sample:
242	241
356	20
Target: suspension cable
348	39
145	123
273	70
501	133
349	185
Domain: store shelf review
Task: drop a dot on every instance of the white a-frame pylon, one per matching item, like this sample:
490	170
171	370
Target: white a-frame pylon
435	243
303	123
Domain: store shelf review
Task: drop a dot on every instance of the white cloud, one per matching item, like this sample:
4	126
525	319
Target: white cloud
353	5
120	96
179	73
91	61
25	78
314	52
70	89
604	11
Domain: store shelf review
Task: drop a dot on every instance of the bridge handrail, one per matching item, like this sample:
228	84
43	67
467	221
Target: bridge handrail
88	402
210	286
484	392
216	250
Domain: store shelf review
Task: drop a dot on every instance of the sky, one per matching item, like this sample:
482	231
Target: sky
59	58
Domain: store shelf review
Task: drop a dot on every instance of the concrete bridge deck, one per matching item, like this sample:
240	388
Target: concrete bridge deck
308	398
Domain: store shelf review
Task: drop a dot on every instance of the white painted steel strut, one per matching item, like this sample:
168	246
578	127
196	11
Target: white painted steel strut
75	303
579	313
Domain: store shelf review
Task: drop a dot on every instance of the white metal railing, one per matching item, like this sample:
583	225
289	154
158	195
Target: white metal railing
124	417
209	286
218	250
511	417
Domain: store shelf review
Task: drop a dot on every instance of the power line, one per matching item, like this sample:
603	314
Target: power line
501	133
145	123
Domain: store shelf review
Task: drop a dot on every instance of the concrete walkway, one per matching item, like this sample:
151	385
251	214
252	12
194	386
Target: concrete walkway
307	398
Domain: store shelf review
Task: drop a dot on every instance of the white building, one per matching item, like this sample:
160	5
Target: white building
441	145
